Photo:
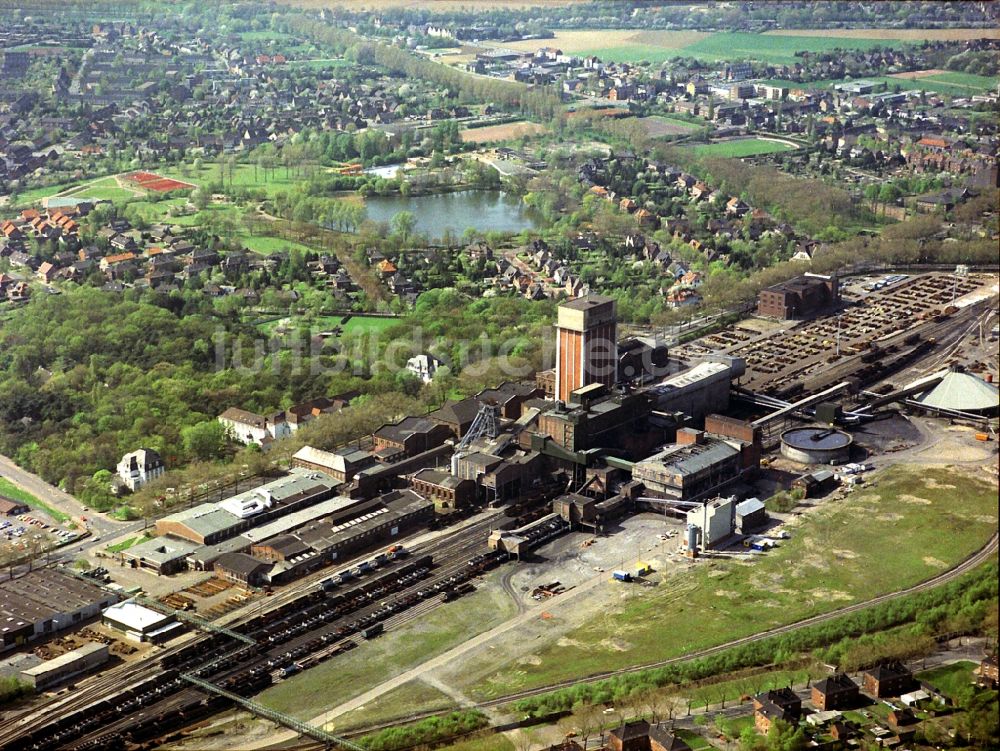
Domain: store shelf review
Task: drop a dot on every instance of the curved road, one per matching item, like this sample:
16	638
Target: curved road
981	556
58	499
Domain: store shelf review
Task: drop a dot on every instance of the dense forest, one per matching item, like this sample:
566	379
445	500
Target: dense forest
86	376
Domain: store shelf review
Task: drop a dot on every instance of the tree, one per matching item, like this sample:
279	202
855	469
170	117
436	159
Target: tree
403	224
204	440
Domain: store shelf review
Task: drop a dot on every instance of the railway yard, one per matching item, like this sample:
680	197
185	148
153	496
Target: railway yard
242	639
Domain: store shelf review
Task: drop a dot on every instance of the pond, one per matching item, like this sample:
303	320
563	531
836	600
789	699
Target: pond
485	210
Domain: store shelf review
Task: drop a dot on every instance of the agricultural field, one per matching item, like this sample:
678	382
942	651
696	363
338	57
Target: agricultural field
741	147
659	126
504	132
819	569
773	49
629	45
899	35
615	44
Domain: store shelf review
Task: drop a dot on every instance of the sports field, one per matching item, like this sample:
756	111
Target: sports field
741	147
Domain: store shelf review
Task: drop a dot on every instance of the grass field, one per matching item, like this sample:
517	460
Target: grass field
659	126
486	742
331	683
740	148
899	35
950	679
827	563
948	82
773	49
504	132
12	491
938	82
414	696
106	189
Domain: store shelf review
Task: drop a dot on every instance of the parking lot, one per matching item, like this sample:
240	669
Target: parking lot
31	532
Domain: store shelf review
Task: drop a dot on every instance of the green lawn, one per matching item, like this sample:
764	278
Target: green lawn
368	323
266	244
244	175
12	491
411	697
333	682
829	562
127	543
633	53
740	148
950	679
694	740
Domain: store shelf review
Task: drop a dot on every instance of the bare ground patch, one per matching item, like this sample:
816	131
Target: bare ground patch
504	132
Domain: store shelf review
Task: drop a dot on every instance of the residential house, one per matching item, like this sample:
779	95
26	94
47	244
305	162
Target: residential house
140	468
835	692
888	679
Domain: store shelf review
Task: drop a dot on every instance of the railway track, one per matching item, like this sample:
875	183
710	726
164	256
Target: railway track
979	557
313	626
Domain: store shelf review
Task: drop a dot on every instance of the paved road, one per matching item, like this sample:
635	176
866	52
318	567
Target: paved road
58	499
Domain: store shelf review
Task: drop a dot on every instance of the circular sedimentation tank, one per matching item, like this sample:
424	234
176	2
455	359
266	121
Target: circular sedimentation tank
816	445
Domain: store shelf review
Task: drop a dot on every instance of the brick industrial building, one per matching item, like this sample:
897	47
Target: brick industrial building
586	344
801	297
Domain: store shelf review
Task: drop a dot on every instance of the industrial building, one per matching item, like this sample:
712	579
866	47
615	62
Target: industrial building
801	297
586	344
594	418
53	672
444	489
816	445
698	465
341	464
140	623
715	521
210	523
750	515
164	555
408	437
45	601
702	390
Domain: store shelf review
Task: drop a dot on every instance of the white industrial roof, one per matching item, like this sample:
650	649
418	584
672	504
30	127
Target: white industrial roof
135	617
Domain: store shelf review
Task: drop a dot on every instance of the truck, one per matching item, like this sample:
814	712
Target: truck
290	670
621	576
372	631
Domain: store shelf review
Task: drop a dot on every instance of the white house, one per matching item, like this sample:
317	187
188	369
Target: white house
140	467
423	366
247	427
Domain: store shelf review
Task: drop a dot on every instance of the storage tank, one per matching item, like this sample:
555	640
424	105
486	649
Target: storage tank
692	539
816	445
